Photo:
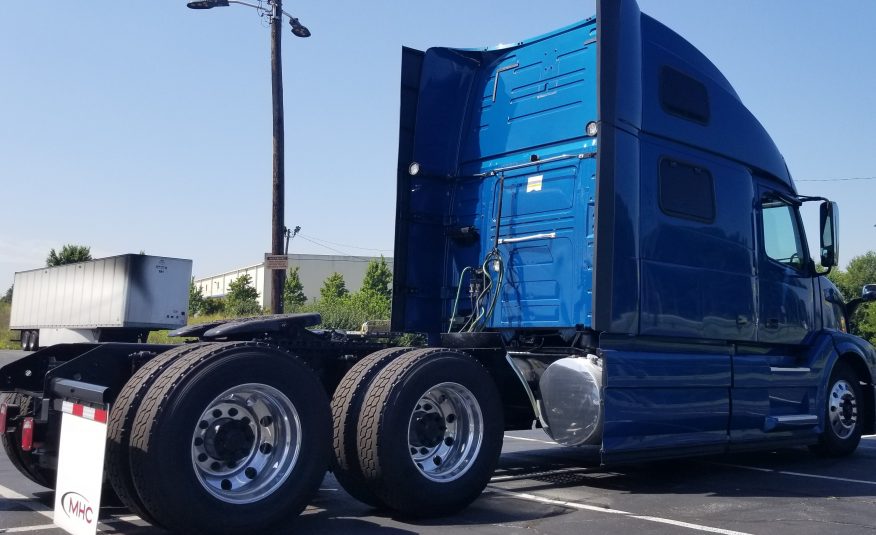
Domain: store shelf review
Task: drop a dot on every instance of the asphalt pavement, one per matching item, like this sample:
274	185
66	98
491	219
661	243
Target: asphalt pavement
540	487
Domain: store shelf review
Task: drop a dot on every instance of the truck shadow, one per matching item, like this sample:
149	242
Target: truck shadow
787	473
781	473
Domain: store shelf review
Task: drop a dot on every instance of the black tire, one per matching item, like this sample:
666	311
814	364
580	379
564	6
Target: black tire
346	405
34	340
842	414
164	437
23	461
25	340
121	418
392	411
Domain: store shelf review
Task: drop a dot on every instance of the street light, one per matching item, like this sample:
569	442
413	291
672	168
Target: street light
278	276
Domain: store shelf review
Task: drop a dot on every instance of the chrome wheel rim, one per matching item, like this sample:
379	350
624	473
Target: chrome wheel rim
842	409
445	432
246	443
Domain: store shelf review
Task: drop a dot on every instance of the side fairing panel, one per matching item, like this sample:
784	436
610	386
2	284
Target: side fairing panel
663	397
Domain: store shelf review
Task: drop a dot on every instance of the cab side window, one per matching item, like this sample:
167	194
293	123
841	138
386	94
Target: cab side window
781	234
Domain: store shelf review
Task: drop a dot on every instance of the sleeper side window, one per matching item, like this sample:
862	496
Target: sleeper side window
781	234
686	191
684	96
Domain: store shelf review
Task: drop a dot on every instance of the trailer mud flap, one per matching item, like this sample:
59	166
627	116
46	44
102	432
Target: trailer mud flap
80	467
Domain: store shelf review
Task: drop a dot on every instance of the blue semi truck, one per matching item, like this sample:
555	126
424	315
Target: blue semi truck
595	236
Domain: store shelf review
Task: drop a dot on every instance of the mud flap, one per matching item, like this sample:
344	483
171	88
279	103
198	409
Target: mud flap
80	467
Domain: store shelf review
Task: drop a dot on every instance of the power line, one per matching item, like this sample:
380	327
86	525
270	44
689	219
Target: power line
346	245
836	179
331	248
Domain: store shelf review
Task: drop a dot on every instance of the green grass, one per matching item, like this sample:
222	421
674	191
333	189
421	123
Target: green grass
160	337
5	334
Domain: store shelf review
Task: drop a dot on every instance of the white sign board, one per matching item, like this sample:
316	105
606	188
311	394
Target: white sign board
276	261
80	469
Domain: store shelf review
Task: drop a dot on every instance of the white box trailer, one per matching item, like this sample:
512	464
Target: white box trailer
120	298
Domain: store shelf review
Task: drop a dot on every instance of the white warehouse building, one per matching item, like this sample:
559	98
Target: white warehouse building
313	270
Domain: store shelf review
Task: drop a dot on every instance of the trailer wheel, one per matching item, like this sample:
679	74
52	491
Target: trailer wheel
25	340
346	405
34	340
23	461
122	414
430	432
842	423
231	438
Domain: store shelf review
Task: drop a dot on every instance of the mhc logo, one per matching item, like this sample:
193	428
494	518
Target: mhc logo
77	506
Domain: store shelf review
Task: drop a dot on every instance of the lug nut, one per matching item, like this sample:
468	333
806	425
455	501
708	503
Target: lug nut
448	441
265	448
215	466
423	451
203	424
202	457
217	413
226	484
266	421
437	460
451	418
199	441
251	472
232	412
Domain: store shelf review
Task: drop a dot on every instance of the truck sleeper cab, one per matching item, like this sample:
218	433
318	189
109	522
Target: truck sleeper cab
592	232
599	203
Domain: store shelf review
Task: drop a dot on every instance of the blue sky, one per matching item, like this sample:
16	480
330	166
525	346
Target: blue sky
144	125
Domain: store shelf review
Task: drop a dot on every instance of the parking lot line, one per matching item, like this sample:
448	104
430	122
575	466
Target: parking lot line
41	527
30	503
551	442
585	507
796	474
24	529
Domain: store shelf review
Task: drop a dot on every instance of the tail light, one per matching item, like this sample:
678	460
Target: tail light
2	418
27	434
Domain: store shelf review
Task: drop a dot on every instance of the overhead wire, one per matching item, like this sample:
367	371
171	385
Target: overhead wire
346	245
845	179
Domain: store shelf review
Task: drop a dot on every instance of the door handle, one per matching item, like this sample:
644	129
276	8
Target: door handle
771	323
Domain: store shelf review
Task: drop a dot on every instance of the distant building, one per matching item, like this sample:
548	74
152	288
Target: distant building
313	270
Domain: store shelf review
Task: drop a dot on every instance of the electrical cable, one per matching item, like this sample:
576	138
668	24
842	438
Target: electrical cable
501	270
836	179
456	301
345	245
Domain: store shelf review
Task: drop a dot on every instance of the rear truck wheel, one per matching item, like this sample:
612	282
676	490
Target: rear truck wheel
346	405
842	425
121	418
23	461
430	432
34	340
230	438
25	340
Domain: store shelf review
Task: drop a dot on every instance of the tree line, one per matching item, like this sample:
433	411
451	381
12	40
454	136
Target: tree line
339	307
342	309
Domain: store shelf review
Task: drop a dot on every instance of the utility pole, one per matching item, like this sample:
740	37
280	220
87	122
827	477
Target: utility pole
278	190
276	13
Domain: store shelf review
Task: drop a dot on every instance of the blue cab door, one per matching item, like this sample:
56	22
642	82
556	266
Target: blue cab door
774	391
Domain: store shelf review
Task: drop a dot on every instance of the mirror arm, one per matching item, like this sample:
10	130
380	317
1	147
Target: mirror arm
807	198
